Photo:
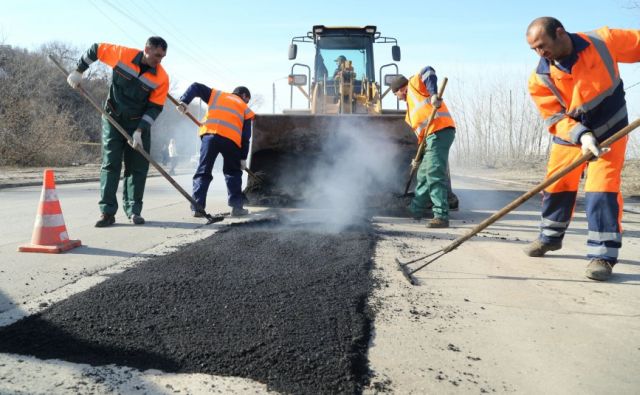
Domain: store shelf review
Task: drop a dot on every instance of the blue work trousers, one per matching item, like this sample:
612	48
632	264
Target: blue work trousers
212	145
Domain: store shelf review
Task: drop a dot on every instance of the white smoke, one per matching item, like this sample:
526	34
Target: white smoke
358	162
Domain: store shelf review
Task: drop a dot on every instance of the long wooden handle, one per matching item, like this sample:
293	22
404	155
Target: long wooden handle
126	135
420	150
526	196
187	113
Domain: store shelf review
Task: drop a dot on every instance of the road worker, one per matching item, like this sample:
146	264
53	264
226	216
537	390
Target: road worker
136	97
420	93
579	93
226	130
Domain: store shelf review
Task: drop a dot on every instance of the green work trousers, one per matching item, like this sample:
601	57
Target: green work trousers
114	148
432	177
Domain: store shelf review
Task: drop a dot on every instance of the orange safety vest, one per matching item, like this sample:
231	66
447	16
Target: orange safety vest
591	96
419	109
121	60
226	115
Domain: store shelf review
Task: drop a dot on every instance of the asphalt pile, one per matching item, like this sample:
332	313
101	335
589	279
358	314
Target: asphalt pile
280	304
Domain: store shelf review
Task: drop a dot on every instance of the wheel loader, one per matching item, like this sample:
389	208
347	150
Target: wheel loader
343	116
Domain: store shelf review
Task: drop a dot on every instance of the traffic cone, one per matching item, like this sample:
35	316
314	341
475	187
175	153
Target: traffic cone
49	231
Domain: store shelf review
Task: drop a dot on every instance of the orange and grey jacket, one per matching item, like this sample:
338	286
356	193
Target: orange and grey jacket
419	91
132	95
584	92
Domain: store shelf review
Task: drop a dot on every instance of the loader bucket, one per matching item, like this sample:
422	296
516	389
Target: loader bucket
300	157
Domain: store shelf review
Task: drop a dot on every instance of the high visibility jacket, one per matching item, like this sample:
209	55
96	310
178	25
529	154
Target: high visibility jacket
226	115
132	95
419	109
589	95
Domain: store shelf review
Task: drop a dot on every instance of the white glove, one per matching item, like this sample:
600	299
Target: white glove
74	79
243	164
415	164
181	107
589	144
137	139
435	102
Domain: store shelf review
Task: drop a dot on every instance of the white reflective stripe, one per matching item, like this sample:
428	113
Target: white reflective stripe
619	116
547	81
215	100
229	110
593	103
227	124
552	232
604	53
49	221
86	59
127	69
148	82
147	118
576	131
605	236
557	117
603	251
442	115
246	112
554	224
48	195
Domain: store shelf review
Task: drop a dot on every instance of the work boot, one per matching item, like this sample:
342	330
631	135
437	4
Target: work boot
599	269
453	203
438	223
197	214
239	212
105	220
136	219
537	248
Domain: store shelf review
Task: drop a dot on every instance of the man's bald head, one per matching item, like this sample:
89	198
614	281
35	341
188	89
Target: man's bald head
549	24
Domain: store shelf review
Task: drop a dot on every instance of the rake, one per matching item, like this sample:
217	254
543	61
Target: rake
404	264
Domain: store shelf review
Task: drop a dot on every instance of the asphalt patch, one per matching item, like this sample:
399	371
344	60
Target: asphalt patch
282	305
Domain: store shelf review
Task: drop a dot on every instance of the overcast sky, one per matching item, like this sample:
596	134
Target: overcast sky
225	44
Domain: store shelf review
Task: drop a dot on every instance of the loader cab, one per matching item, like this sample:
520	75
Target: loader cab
357	85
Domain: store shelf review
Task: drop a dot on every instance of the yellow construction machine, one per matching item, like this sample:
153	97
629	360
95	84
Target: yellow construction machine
343	111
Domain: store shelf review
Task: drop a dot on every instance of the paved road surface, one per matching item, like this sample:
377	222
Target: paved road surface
484	318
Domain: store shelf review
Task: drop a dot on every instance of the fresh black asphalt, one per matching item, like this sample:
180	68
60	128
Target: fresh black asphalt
285	305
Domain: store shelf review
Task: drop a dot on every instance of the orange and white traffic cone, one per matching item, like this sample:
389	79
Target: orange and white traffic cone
49	231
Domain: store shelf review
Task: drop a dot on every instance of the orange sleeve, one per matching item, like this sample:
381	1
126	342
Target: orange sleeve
110	53
159	95
624	44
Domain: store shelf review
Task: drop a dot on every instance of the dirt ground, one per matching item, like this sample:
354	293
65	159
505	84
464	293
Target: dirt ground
533	173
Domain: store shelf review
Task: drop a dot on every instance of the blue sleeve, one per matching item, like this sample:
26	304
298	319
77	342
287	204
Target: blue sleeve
246	135
196	90
428	76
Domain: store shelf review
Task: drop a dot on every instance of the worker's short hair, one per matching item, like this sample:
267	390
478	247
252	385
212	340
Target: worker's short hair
242	90
157	42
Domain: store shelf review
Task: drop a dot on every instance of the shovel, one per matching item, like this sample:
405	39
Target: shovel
421	147
191	117
403	264
198	208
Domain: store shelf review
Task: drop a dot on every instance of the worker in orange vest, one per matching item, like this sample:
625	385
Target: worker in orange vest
226	130
579	93
138	90
420	93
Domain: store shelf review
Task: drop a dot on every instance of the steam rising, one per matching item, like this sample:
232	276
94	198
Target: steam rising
357	165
